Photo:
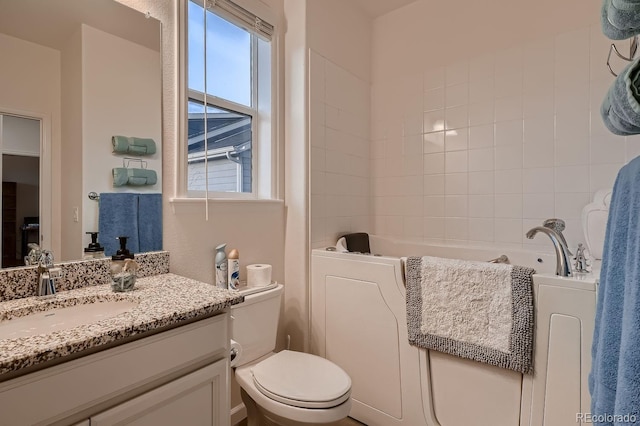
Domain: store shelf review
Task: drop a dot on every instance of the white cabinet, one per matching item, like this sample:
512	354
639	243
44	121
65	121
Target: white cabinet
197	399
182	370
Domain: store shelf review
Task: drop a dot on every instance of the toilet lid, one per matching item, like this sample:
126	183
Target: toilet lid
302	380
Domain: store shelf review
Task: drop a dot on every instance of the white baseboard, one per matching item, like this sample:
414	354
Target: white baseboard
238	413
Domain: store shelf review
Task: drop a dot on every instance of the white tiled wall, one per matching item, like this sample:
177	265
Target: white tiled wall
339	156
483	149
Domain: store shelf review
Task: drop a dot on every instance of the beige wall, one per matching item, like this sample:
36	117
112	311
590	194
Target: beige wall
341	32
295	319
72	146
118	99
427	33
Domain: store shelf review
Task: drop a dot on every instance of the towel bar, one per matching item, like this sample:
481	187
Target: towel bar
633	49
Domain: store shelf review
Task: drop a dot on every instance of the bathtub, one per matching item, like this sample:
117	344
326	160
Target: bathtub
358	321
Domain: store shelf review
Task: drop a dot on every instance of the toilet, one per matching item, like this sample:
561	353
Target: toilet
287	387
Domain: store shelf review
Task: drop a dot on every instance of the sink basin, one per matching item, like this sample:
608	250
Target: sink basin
62	318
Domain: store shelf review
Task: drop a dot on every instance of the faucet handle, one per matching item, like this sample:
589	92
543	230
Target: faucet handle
581	261
46	259
33	258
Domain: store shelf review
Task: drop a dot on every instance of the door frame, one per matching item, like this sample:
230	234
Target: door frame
46	170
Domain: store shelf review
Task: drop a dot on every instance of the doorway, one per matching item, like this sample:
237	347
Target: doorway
20	140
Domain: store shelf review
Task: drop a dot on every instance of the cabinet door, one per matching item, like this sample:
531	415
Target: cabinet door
197	399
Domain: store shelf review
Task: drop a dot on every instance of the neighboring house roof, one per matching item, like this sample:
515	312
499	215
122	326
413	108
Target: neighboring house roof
223	130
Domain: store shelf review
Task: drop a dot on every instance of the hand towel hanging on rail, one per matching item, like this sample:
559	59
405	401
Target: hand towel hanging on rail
150	222
117	217
137	216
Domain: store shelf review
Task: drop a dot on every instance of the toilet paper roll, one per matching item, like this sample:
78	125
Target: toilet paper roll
258	275
235	353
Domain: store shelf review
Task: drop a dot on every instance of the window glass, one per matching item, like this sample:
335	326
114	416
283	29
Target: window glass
228	57
233	65
229	153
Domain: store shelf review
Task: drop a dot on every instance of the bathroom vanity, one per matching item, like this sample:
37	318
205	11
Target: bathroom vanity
162	361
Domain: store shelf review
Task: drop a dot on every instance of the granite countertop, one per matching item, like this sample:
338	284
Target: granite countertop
164	300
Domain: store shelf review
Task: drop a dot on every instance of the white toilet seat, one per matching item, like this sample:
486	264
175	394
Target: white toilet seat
284	408
302	380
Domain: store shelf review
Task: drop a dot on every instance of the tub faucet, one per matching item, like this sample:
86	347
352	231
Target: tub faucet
558	225
563	267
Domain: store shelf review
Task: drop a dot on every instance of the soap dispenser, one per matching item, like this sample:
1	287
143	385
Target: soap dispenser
117	260
123	268
94	250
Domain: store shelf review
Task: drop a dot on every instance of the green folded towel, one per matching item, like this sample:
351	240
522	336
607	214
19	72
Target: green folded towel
131	145
134	177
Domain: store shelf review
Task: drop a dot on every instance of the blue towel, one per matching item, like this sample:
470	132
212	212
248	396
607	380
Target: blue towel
614	381
150	222
118	216
620	109
620	19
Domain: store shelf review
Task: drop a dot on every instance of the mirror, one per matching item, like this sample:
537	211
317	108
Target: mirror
82	71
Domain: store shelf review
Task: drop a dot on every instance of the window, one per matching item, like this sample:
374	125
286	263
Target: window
229	107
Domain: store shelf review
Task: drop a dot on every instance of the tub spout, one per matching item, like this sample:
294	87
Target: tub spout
563	267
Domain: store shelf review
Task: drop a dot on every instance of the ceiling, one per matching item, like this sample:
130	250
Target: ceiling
52	22
375	8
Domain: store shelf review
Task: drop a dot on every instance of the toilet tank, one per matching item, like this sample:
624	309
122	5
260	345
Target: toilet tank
254	322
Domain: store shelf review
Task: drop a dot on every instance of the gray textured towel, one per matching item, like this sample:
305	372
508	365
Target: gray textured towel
133	145
620	19
133	177
473	310
620	109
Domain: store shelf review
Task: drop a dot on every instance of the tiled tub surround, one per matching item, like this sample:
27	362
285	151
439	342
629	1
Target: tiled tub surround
164	300
481	150
339	137
16	283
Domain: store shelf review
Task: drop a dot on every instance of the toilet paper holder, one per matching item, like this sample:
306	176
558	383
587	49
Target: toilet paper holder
235	352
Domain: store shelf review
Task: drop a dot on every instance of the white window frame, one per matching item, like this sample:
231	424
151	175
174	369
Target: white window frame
264	143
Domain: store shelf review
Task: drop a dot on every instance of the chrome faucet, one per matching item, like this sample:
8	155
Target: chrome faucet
47	274
558	225
563	267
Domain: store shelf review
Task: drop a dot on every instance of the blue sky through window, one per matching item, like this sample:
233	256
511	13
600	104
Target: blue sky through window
228	57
